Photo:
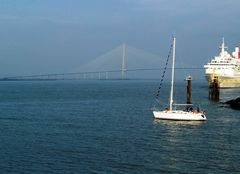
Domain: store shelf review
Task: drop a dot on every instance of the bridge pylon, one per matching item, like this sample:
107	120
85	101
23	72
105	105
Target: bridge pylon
123	67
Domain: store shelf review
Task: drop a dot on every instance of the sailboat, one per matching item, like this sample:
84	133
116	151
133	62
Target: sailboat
187	114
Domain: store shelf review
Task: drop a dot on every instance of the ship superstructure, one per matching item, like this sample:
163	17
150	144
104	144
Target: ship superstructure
225	67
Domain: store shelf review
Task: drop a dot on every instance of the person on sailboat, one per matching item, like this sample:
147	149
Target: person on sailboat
198	110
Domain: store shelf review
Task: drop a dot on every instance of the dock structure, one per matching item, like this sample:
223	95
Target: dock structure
214	89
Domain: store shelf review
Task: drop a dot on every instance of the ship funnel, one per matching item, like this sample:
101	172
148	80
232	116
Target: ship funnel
237	53
236	49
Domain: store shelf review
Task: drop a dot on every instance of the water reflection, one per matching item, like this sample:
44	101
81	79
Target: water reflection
177	123
229	93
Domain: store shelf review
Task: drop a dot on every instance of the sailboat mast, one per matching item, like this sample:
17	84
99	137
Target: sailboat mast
173	65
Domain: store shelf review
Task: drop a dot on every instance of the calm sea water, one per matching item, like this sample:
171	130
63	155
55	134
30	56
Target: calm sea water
107	127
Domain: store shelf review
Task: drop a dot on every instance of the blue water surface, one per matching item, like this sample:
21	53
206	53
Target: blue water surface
108	127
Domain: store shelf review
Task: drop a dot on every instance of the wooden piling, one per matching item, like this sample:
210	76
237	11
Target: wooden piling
214	89
189	89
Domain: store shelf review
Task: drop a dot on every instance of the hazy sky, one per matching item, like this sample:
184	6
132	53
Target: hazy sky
50	36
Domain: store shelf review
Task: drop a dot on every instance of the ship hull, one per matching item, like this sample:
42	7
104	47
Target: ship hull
226	82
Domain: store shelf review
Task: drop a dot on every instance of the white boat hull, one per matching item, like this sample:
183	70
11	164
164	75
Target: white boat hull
179	115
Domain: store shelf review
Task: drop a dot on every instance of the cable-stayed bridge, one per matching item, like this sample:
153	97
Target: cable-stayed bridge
122	62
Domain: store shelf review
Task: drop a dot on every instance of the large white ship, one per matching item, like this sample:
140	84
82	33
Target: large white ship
225	67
